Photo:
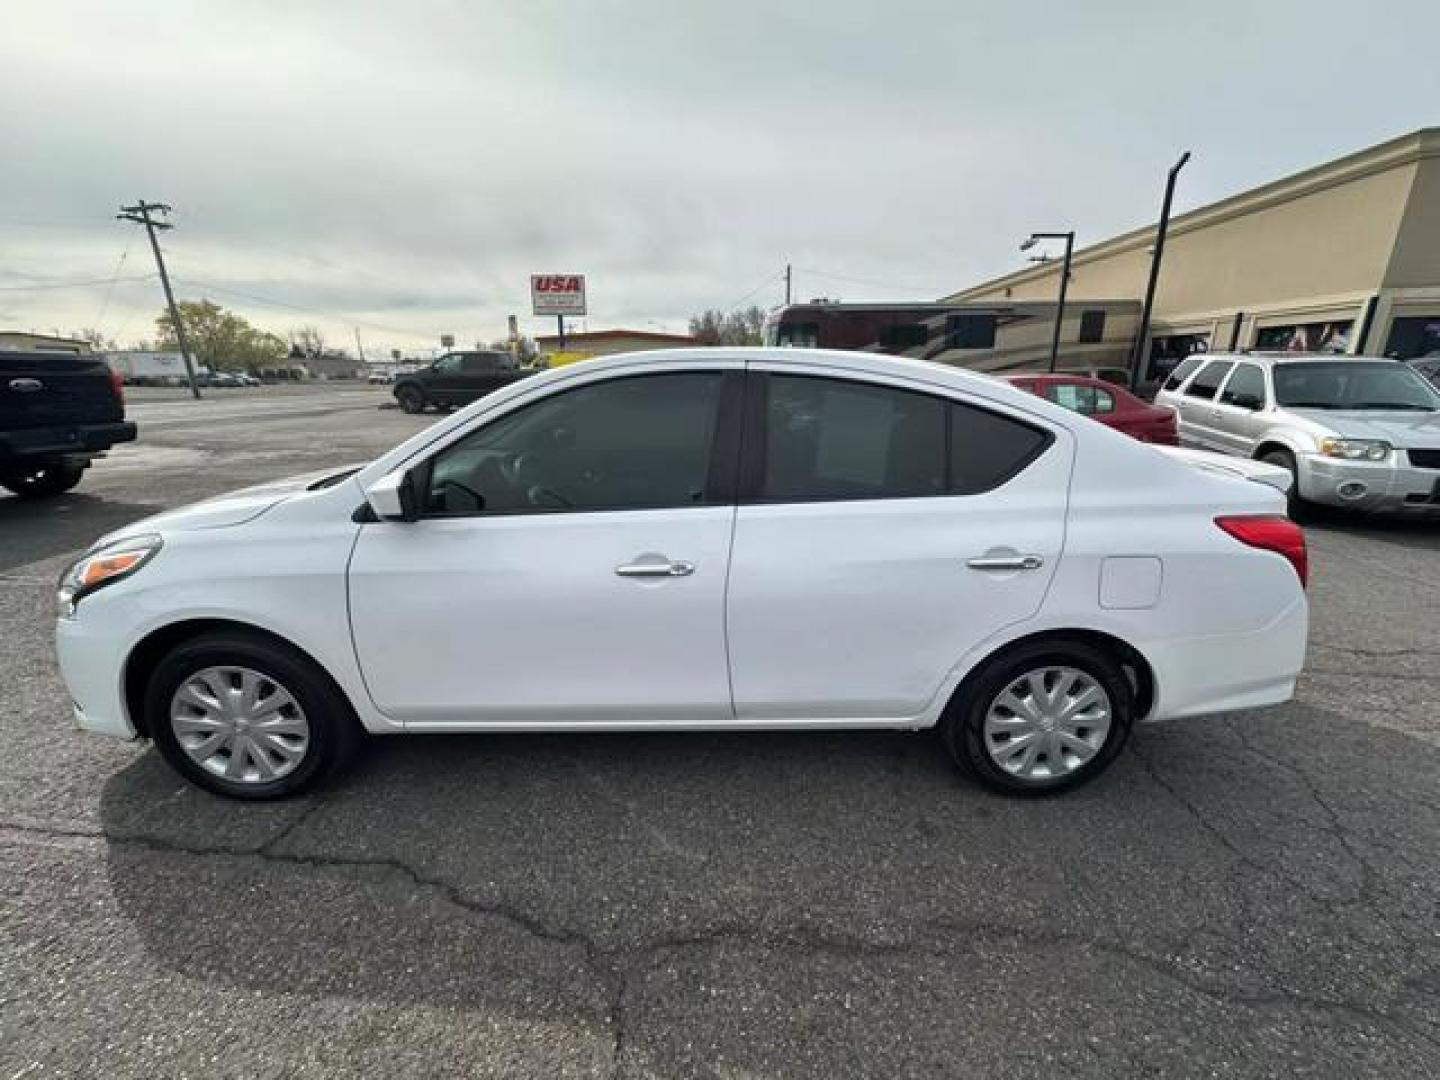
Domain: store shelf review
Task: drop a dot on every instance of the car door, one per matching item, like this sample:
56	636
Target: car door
1197	406
869	559
483	372
445	383
1235	420
569	565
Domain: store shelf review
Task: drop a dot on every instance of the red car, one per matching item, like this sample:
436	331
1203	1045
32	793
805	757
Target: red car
1106	402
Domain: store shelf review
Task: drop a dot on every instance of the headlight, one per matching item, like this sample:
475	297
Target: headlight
1355	449
96	569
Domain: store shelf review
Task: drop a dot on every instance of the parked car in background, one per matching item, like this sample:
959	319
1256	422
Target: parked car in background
380	377
457	378
1356	432
703	539
58	413
1104	401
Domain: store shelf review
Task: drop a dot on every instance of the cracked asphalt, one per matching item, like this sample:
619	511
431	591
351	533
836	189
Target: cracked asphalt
1247	895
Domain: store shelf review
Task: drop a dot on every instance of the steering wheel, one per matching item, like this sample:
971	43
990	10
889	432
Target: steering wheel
446	484
520	470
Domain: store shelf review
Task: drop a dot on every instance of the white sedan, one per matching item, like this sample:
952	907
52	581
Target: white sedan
703	539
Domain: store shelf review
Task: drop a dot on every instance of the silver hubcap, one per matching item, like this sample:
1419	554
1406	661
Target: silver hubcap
239	724
1047	723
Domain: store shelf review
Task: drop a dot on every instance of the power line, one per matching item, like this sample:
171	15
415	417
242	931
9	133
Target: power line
770	279
105	306
863	281
337	316
77	284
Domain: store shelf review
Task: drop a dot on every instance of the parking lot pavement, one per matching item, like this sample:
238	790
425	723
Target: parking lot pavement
1253	894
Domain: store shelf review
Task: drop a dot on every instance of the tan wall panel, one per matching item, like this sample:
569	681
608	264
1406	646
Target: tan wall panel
1415	262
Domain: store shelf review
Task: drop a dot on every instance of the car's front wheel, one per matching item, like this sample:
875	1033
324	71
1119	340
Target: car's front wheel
411	400
44	481
1041	718
247	717
1295	505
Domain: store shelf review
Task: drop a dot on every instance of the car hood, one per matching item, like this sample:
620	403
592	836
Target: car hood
1398	428
223	511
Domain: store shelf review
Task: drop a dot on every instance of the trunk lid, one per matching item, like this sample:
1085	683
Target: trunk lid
1244	468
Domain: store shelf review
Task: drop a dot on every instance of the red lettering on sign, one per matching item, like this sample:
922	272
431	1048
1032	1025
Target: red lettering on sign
547	283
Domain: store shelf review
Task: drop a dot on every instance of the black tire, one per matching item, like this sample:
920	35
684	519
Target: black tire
44	481
1295	506
411	399
963	726
334	731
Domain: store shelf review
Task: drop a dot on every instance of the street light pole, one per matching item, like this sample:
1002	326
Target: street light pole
1069	238
1143	334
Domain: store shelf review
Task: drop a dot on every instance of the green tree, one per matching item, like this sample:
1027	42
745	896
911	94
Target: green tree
744	326
220	340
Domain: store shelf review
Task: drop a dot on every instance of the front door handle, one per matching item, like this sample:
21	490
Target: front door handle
1006	562
675	568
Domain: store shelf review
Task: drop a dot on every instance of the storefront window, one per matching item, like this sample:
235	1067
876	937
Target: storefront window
1167	352
1413	337
1318	337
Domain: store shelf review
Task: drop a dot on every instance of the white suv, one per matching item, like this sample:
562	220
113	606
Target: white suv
705	539
1355	431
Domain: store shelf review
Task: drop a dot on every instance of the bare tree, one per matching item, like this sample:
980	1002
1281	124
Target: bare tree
309	340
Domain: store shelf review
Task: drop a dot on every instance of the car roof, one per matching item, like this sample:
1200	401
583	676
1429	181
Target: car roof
868	363
1280	359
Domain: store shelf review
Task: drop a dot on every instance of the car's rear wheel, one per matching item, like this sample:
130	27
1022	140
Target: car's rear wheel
1295	506
246	717
411	400
1041	718
43	481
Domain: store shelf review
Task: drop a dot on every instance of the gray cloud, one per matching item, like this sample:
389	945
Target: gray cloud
405	167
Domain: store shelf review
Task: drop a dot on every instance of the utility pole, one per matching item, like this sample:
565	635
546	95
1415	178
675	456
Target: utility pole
1142	336
140	213
787	284
1069	238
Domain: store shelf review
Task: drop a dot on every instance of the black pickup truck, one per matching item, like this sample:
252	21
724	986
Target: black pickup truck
456	378
58	412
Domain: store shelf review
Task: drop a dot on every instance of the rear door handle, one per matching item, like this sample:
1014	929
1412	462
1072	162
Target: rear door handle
1006	562
676	568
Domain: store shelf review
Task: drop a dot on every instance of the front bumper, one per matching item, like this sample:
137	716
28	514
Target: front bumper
1380	487
93	667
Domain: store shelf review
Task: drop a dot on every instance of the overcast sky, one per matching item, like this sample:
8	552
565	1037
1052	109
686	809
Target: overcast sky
403	167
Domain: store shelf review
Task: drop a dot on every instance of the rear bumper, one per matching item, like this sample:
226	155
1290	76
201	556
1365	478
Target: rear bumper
1197	676
60	441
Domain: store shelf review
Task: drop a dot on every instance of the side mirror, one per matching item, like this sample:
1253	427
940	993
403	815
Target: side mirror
395	496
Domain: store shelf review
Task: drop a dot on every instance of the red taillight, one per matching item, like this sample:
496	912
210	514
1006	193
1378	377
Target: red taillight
1272	532
117	385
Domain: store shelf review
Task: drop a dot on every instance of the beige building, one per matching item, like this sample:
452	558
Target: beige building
1344	257
21	341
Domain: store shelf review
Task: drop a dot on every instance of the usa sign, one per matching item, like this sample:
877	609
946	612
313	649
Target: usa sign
557	294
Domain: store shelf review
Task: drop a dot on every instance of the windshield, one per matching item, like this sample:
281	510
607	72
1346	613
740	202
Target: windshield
1346	384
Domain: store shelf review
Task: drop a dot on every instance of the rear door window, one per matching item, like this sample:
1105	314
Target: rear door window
1208	381
836	440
